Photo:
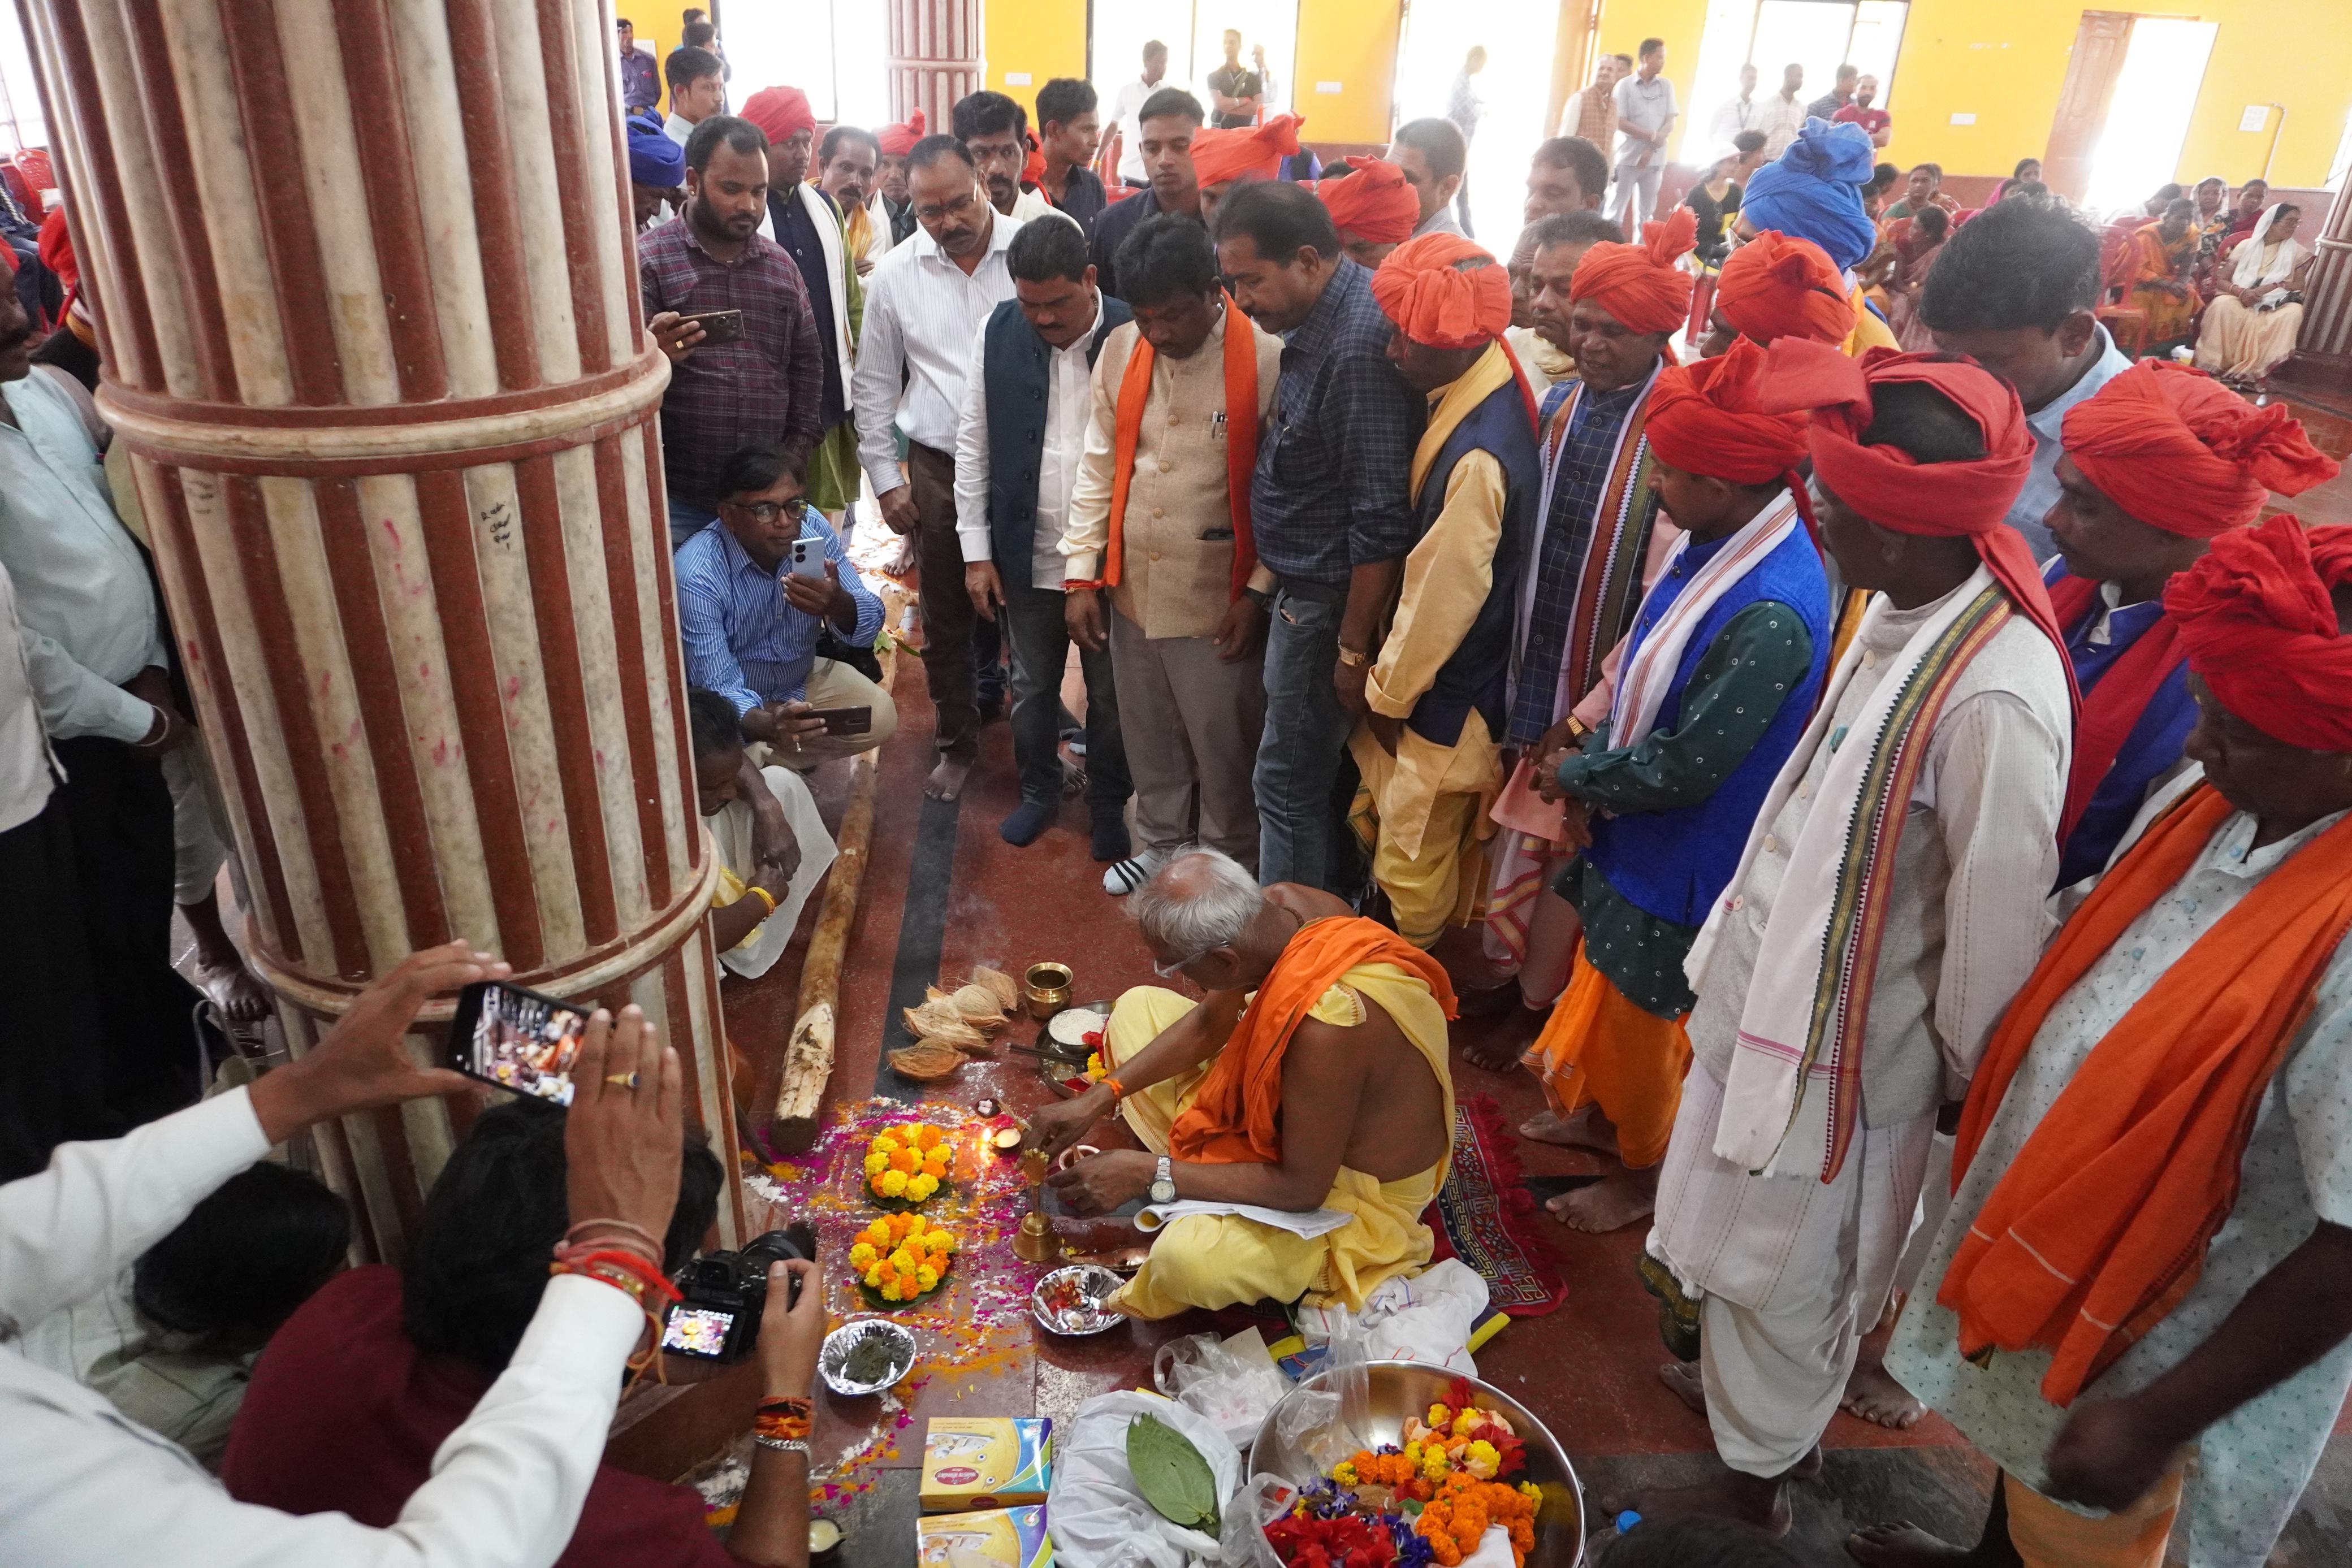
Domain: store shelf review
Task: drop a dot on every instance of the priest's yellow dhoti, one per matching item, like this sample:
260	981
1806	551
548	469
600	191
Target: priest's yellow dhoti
1222	1261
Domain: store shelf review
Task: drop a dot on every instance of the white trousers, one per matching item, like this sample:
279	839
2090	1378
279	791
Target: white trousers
1634	202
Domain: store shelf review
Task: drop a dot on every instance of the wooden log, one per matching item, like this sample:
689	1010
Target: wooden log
808	1059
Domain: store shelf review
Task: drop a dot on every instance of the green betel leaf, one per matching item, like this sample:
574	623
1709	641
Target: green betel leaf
1171	1475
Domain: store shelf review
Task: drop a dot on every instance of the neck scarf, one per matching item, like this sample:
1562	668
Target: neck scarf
2099	1227
2249	271
1241	442
1237	1115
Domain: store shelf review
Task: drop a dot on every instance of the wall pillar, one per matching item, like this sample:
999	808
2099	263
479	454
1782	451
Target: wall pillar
935	48
367	300
2326	339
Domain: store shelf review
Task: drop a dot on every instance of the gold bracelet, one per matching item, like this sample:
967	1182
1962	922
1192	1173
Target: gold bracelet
1576	728
765	896
1352	659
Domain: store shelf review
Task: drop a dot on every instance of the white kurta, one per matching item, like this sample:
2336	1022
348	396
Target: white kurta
1791	1269
730	832
2251	1465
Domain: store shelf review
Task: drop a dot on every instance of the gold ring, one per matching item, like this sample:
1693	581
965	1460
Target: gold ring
626	1079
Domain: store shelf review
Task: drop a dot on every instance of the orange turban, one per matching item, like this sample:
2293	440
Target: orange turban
780	112
1779	287
1445	291
1219	156
2260	626
2180	451
1033	168
1373	203
898	141
1704	419
1640	284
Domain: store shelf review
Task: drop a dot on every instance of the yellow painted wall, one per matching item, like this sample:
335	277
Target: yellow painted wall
2004	61
1353	43
1045	38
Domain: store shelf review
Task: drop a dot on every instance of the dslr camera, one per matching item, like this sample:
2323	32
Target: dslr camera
723	1295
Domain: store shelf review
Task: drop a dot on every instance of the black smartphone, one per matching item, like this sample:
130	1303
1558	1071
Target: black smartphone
843	720
717	326
517	1039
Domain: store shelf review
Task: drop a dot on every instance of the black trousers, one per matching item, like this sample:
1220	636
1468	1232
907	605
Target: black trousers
119	812
53	1045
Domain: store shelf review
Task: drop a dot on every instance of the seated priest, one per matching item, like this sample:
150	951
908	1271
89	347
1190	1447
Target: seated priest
1313	1076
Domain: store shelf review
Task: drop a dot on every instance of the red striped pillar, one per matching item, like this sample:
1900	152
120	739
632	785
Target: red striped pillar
368	308
2327	339
935	47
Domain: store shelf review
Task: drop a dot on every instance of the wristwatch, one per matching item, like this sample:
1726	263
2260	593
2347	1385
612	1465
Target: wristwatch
1163	1183
1259	597
1352	658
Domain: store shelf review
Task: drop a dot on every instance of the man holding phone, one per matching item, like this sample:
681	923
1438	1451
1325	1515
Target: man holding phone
729	307
754	586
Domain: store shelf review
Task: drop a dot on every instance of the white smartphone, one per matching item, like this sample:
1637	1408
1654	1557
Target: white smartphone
808	558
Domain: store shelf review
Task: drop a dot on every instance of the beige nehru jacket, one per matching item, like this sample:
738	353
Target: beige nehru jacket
1174	581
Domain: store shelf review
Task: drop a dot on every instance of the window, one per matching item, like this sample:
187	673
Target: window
21	124
1771	35
1195	31
836	51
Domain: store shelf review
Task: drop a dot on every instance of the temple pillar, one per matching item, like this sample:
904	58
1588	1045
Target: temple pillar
367	300
2326	343
935	47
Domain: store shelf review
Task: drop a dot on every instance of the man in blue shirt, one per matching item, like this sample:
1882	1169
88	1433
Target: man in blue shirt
640	78
1329	515
750	624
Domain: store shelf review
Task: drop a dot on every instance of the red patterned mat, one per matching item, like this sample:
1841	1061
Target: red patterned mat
1486	1217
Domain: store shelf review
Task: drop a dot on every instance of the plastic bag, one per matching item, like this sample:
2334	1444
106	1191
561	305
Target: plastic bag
1095	1514
1232	1382
1427	1317
1258	1504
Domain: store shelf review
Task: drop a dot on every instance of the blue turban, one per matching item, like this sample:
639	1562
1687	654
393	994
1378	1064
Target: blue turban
1813	191
653	158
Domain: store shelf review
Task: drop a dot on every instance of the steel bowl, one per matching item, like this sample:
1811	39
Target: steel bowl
833	1357
1400	1389
1098	1283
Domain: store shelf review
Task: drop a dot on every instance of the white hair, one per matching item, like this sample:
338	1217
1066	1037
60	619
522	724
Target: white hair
1201	899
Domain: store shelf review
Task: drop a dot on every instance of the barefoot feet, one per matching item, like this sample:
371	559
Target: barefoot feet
1905	1545
1689	1387
219	969
1873	1395
946	781
1751	1500
1500	1050
1613	1203
1583	1128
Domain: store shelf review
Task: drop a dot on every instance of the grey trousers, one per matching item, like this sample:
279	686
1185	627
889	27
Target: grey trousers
1192	724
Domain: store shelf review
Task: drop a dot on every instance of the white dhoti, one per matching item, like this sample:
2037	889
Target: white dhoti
199	847
730	831
1789	1272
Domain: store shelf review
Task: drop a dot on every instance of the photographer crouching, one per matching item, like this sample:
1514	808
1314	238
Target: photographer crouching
452	1414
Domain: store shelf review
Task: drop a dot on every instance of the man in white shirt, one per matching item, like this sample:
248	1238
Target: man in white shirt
1015	470
2015	289
80	1484
924	304
1646	119
1736	114
994	129
1434	158
697	89
1781	116
1126	140
94	641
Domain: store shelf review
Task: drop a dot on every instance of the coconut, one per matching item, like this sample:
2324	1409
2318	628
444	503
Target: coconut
937	1021
979	1005
1007	988
928	1063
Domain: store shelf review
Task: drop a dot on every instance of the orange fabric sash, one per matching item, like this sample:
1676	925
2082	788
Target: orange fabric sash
1237	1117
2100	1225
1241	442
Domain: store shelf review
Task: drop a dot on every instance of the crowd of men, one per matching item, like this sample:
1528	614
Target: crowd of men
1895	802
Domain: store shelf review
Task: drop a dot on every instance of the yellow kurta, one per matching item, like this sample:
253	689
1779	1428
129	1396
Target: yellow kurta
1869	332
1222	1261
1424	810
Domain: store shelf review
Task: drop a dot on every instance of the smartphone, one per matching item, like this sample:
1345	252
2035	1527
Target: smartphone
717	326
517	1039
808	558
843	720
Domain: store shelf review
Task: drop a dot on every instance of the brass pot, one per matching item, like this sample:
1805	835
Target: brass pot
1046	989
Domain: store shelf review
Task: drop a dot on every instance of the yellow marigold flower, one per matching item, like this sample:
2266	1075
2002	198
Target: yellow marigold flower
915	1225
879	1233
877	1163
927	1278
1482	1460
928	1139
1434	1464
891	1184
1344	1473
1412	1455
886	1145
874	1279
861	1256
1441	1417
919	1187
905	1260
1463	1422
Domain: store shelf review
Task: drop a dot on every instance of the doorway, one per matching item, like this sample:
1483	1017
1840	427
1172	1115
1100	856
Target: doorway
2123	114
1194	31
1516	85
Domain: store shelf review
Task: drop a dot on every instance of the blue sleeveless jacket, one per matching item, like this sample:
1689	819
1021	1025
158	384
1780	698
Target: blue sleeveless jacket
1478	674
1675	865
1016	383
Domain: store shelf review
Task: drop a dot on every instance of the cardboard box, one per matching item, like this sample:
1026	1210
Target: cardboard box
994	1461
1007	1537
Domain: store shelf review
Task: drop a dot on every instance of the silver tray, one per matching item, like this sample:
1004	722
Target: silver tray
1097	1282
834	1356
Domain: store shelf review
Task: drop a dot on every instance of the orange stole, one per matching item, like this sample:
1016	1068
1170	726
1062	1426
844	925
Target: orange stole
1241	442
1236	1117
2099	1227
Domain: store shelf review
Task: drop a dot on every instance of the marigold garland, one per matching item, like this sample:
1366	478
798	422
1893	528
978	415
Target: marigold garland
909	1163
900	1257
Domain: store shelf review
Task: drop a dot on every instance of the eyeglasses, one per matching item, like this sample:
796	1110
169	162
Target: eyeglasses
1170	971
766	512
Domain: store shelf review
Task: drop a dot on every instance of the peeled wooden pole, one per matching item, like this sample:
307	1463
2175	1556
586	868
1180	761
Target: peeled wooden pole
808	1059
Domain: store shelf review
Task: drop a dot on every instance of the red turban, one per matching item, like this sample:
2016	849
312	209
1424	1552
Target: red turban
1445	291
1219	156
2180	451
57	251
780	112
1777	286
1704	419
898	141
1373	203
1894	489
1640	284
2259	625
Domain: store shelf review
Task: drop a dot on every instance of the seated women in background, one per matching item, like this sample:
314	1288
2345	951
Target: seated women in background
2257	310
2156	276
